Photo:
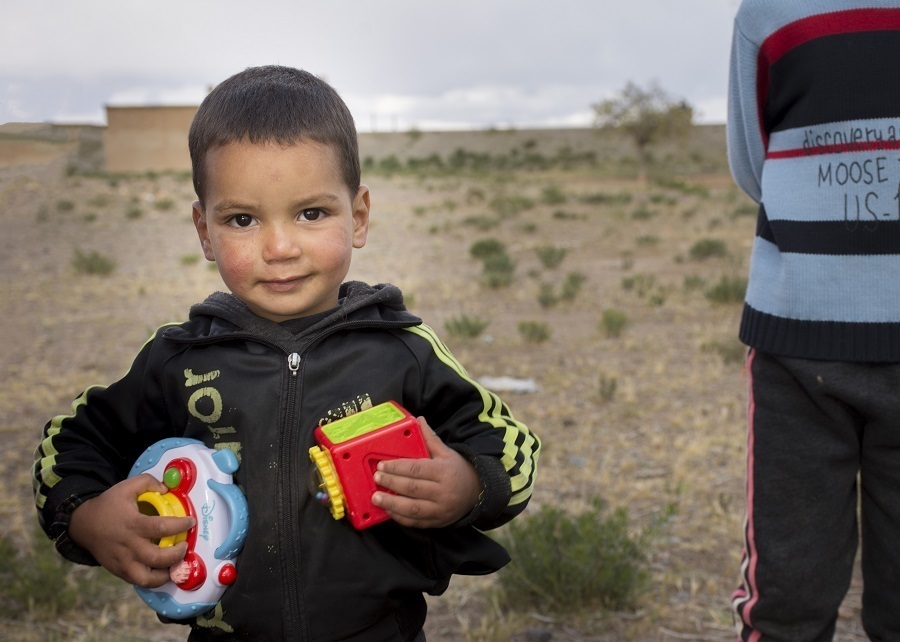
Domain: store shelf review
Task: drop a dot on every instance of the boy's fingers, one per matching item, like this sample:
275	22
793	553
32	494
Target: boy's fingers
397	506
435	444
144	482
423	469
153	557
413	486
149	578
159	527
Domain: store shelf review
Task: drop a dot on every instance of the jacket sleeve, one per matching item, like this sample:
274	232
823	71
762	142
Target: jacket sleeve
93	448
476	423
746	140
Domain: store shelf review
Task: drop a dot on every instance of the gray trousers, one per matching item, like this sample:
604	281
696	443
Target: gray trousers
823	448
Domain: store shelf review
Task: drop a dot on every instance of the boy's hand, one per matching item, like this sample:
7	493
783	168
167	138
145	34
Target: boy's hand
119	536
431	493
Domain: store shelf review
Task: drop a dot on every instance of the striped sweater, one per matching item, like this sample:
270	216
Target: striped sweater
814	137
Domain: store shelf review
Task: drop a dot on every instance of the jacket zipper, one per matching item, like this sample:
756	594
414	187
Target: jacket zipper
296	617
293	363
295	613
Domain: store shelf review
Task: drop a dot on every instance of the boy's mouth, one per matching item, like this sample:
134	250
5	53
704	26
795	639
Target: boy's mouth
283	285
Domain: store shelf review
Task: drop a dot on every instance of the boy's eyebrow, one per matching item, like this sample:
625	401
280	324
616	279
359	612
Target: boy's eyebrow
325	198
223	206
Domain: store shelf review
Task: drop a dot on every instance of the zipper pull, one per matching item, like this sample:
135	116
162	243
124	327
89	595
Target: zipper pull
293	363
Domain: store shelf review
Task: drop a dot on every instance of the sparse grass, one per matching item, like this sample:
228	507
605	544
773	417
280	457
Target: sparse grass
662	199
562	215
498	267
732	352
487	247
510	205
547	297
572	286
606	387
164	204
134	212
613	322
534	331
465	327
499	270
190	259
65	205
694	282
99	200
550	256
93	263
632	418
681	186
642	213
35	579
553	195
729	289
603	198
708	248
745	209
640	284
564	563
481	222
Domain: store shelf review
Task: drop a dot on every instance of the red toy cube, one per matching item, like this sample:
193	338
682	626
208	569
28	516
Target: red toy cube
349	451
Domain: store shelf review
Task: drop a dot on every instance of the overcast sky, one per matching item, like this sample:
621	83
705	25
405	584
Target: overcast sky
398	64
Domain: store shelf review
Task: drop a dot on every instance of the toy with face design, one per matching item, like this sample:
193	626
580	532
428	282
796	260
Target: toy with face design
281	224
200	485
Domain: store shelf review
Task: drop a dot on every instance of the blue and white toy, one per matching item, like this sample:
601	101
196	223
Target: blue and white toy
200	485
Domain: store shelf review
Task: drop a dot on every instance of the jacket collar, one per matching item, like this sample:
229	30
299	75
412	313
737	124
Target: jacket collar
358	301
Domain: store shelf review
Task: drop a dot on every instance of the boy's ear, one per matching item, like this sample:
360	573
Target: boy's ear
202	231
360	217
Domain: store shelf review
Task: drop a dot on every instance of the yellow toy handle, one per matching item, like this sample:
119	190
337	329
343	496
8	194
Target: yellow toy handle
153	503
329	484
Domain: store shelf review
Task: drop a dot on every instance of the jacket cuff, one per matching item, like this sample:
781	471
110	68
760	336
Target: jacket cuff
496	489
68	495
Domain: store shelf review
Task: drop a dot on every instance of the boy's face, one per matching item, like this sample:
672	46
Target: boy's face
281	225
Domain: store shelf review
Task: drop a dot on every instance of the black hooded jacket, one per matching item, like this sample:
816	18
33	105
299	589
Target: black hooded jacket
234	380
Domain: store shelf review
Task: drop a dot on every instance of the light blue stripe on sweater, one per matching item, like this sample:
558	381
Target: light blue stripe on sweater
813	287
848	131
859	186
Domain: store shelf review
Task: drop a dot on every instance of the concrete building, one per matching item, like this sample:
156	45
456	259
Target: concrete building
142	139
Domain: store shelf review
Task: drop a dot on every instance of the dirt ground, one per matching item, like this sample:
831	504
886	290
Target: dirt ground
670	430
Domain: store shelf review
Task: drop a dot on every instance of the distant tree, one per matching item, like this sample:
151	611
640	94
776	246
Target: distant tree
646	115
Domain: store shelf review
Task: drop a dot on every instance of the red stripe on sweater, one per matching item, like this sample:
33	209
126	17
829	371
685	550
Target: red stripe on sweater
801	31
842	148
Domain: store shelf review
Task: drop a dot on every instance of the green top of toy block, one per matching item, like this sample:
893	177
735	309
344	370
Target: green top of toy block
362	422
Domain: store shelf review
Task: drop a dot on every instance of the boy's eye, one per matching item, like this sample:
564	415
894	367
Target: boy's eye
311	214
242	220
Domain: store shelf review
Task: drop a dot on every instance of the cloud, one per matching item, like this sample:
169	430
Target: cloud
469	61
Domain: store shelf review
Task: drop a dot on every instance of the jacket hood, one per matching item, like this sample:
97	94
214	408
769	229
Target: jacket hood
224	314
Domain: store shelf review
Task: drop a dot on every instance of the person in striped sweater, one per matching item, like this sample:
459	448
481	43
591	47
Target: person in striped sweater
814	138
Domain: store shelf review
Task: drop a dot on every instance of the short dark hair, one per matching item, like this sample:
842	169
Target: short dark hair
274	104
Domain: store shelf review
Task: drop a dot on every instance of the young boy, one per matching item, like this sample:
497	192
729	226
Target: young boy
813	125
280	209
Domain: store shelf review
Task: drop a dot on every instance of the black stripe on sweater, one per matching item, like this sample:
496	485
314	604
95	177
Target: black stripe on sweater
828	340
865	237
840	77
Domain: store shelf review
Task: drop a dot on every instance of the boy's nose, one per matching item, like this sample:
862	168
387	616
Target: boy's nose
279	245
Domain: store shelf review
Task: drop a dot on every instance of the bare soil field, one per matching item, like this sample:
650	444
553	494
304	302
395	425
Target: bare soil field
648	418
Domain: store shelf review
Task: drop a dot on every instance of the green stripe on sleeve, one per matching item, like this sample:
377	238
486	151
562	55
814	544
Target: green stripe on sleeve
491	414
